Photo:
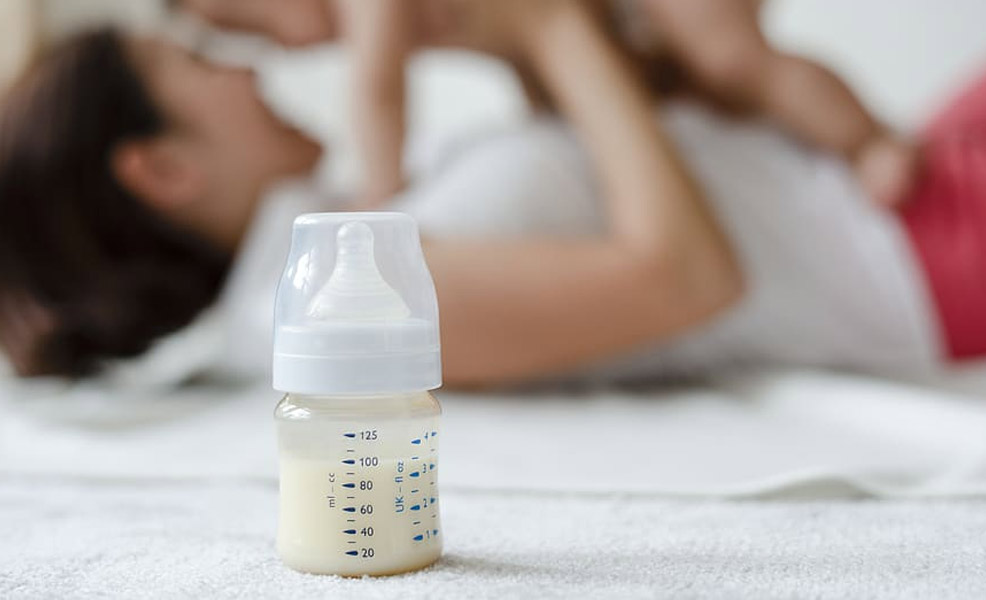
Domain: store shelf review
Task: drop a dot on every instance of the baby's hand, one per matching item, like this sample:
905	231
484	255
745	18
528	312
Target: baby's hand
887	167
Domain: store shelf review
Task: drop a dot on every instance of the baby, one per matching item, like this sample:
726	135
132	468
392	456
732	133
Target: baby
719	43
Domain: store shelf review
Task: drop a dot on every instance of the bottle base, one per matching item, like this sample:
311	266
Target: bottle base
319	566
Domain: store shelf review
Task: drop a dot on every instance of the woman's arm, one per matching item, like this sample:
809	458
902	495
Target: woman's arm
515	310
379	32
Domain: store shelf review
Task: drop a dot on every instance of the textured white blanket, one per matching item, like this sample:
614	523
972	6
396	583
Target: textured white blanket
107	493
126	539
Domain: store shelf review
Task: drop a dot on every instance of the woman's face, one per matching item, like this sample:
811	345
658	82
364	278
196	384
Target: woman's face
237	145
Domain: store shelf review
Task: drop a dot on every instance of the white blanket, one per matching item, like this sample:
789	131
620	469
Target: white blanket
800	433
121	539
105	492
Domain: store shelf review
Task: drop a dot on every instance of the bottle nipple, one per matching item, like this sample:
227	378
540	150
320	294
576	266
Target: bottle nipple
356	290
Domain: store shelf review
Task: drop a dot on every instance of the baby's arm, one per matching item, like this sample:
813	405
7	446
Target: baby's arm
379	32
720	41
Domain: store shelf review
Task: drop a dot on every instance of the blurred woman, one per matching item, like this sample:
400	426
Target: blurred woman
130	173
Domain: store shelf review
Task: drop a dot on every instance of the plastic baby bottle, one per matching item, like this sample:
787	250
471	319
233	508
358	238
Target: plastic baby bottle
356	350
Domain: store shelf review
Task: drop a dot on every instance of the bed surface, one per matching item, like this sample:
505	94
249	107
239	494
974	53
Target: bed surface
165	539
765	485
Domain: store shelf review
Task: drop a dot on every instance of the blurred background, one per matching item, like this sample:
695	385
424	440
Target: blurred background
903	56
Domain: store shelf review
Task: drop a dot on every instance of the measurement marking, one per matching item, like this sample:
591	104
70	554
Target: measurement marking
349	461
431	466
349	435
432	500
351	542
415	458
416	523
418	537
416	507
350	497
350	520
434	434
349	531
415	474
350	473
350	450
434	516
415	491
431	483
351	509
416	441
434	532
352	553
349	485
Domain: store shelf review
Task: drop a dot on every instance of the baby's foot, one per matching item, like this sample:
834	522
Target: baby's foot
887	167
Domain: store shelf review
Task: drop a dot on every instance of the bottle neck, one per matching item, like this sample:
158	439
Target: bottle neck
399	405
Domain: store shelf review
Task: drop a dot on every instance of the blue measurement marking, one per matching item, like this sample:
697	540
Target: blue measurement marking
431	465
434	532
415	491
349	485
426	435
349	531
349	435
349	509
349	461
415	457
352	553
416	441
414	474
416	523
418	538
432	500
416	507
434	434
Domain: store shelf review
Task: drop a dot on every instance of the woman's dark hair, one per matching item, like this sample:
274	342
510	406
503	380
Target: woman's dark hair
112	275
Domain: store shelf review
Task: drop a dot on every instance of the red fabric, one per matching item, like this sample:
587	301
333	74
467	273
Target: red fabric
946	221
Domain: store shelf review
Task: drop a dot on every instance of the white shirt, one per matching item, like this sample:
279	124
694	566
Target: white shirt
831	279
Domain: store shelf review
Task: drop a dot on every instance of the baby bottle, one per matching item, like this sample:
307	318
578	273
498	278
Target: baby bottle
356	350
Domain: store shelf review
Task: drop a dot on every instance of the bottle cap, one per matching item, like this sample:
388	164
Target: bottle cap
356	311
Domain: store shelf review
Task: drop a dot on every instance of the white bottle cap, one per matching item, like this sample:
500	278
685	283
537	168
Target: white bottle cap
356	311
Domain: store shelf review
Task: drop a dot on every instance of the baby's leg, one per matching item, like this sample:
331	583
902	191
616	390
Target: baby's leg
721	43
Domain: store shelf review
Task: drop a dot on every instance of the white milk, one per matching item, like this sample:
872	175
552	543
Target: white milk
359	498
